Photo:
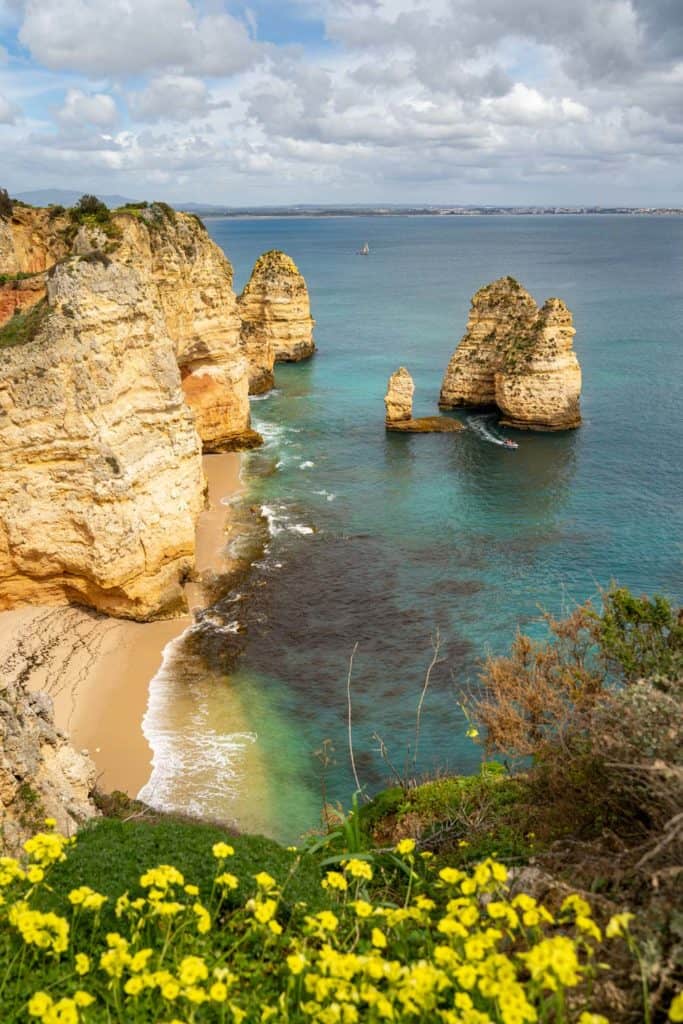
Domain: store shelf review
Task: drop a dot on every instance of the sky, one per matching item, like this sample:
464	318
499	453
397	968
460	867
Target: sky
345	101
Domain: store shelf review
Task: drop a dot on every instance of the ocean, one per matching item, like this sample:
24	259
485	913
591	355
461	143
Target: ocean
385	544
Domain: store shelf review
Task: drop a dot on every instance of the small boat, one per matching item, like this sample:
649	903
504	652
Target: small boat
364	250
507	443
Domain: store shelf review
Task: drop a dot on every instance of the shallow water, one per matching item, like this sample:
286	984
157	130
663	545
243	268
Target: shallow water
380	539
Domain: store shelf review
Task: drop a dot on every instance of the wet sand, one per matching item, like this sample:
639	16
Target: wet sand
98	669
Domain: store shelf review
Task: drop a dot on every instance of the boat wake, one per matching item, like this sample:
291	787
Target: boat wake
481	426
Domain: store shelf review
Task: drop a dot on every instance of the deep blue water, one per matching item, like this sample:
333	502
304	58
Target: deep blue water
445	532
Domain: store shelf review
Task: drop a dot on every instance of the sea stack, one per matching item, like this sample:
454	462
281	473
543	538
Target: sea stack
275	315
398	402
517	357
399	397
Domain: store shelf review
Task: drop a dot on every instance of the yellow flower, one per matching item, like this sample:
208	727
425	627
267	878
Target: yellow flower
192	890
676	1009
327	920
472	732
82	998
39	1004
161	877
379	939
275	927
50	822
203	918
87	898
296	962
362	908
35	874
227	881
594	1018
134	986
218	992
82	963
359	869
264	881
618	925
192	969
222	850
335	880
405	846
265	911
170	990
451	876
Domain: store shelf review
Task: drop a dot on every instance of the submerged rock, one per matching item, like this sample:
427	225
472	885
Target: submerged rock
399	409
517	357
275	315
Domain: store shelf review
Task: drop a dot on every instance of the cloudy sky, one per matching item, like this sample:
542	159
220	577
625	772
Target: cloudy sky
284	101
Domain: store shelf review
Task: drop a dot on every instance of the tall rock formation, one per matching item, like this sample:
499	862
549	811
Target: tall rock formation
275	312
100	462
398	402
517	357
192	284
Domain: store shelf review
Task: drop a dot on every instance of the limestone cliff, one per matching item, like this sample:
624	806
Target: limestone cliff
398	402
276	317
194	283
41	775
518	357
32	239
100	461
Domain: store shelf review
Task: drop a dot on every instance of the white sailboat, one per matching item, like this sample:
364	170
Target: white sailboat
364	250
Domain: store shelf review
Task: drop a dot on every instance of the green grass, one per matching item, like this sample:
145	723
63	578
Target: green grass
23	327
110	855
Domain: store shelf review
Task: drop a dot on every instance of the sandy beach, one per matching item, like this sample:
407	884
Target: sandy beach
98	669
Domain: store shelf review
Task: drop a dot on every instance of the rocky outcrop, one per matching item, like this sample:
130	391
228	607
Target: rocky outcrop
275	313
41	775
399	409
32	239
20	293
517	357
193	279
100	461
398	400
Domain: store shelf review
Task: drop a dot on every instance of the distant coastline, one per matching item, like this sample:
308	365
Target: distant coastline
273	213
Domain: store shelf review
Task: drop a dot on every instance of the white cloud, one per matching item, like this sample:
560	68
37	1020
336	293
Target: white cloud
81	109
173	98
526	106
125	37
8	111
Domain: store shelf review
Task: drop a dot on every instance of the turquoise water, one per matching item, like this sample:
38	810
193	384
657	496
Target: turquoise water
379	540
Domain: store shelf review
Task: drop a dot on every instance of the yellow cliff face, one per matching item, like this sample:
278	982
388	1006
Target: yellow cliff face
275	312
100	461
31	240
517	357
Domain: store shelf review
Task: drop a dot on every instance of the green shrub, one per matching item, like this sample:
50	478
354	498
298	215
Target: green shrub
5	204
23	327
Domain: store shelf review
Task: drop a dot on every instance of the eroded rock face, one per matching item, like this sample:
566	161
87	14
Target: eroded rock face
41	775
275	312
19	295
100	461
31	240
517	357
399	406
398	400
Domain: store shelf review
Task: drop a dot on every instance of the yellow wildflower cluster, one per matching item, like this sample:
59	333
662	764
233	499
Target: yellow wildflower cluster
457	948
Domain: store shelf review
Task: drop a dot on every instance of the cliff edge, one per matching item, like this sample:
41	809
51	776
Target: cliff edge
517	357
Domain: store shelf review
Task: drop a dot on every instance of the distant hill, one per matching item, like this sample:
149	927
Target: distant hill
65	197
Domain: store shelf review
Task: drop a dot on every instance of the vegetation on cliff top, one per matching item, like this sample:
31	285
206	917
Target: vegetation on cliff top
6	205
